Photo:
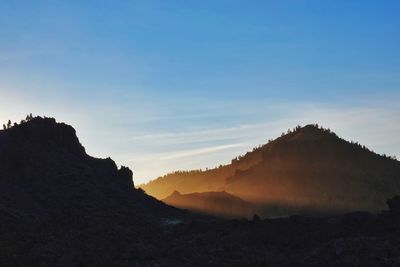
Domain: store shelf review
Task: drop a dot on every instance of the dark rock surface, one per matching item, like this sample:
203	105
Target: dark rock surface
394	204
61	207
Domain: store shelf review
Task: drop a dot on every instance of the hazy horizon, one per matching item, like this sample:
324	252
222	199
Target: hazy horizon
163	86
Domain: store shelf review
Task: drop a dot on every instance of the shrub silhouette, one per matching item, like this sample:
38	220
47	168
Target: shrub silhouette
29	117
9	124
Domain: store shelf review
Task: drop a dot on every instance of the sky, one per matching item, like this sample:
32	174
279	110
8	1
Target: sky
176	85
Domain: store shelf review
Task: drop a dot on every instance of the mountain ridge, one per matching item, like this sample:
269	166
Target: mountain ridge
306	167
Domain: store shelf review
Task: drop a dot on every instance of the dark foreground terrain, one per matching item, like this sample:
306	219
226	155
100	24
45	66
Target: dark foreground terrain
61	207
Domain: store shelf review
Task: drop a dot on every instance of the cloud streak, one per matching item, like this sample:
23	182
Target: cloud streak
195	152
373	126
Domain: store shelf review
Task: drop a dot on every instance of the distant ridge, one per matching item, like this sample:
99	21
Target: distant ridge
220	203
306	168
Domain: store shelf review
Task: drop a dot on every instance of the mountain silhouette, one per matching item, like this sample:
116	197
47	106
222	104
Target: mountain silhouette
56	200
307	169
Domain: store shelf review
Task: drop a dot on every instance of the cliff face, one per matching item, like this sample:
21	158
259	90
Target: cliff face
44	162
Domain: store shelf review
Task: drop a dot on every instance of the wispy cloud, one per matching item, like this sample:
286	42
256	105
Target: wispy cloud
195	152
376	126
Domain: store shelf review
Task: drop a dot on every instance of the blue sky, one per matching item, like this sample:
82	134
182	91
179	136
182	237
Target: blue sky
166	85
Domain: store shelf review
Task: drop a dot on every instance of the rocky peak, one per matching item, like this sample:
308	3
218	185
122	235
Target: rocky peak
44	134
